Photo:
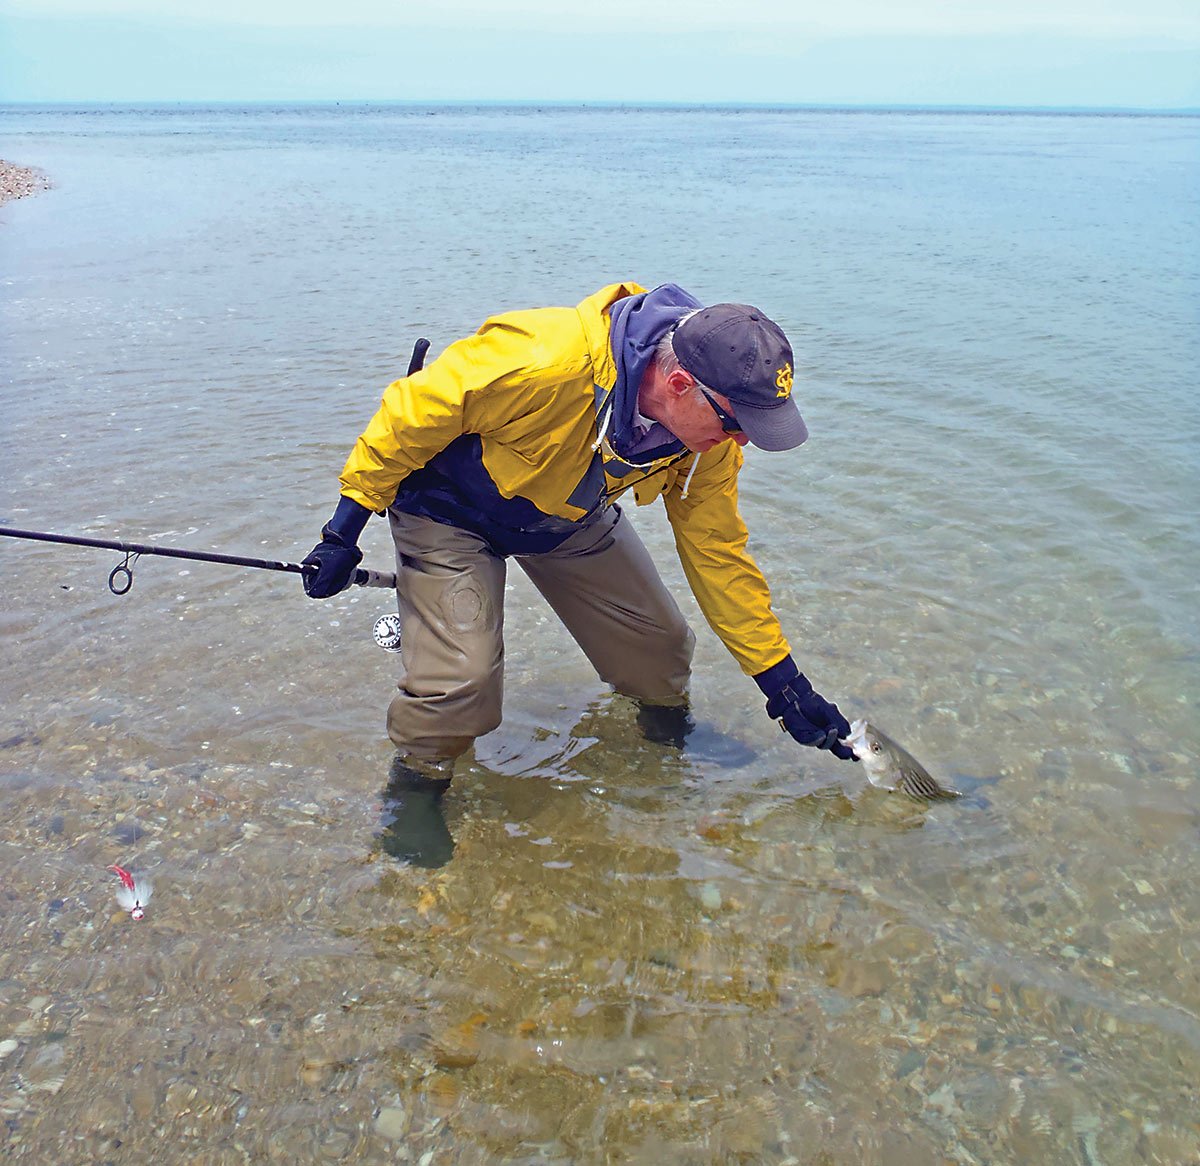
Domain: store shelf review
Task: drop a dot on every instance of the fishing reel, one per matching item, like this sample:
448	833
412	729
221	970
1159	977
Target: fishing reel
386	632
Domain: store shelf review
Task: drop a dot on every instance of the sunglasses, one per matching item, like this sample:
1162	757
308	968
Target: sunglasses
729	423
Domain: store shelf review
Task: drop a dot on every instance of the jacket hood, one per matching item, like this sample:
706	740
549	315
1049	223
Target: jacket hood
639	322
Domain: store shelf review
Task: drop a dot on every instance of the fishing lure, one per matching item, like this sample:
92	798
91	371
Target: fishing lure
134	893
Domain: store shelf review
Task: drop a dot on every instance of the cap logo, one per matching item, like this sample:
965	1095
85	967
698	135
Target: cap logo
783	378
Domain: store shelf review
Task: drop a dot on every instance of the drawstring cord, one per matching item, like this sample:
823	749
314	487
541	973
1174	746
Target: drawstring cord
603	427
606	422
688	480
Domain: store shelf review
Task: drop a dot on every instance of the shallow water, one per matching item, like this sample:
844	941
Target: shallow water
990	546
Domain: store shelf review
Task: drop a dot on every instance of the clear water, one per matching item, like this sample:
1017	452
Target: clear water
990	546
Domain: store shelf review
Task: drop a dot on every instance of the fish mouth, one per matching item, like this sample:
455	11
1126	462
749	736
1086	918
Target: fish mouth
857	734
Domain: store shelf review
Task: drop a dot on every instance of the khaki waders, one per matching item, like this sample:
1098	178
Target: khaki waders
601	583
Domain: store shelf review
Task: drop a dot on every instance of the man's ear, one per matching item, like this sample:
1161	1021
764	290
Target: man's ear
679	382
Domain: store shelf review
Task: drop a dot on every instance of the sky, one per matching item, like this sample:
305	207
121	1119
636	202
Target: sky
1141	54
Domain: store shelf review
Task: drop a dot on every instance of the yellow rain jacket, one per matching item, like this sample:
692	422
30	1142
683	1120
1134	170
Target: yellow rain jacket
499	436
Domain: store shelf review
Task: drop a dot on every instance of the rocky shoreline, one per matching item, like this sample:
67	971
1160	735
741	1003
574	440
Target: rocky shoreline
20	181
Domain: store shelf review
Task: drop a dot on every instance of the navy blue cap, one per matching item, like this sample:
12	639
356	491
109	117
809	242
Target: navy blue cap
743	354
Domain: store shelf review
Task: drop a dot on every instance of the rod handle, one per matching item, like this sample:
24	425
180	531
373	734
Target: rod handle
418	356
365	578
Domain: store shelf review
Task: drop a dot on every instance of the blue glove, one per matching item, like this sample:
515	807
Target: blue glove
337	554
807	715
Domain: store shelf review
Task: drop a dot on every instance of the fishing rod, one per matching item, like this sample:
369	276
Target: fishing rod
120	579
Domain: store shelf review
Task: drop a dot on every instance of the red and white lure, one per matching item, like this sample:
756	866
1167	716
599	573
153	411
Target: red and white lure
134	893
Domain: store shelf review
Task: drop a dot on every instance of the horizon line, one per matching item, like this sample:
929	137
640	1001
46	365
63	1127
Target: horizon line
606	103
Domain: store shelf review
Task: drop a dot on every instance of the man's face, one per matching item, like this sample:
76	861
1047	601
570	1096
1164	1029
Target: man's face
692	419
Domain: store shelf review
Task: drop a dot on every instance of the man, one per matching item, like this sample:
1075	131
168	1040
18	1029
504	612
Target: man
516	442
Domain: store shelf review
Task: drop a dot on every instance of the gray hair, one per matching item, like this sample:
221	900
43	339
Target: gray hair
664	351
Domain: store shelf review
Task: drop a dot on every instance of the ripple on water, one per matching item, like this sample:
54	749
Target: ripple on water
738	955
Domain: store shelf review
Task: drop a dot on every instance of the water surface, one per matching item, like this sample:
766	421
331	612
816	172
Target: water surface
990	546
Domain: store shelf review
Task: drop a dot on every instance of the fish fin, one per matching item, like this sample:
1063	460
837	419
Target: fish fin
878	782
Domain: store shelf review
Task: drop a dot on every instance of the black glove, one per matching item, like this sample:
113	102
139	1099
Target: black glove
807	715
337	554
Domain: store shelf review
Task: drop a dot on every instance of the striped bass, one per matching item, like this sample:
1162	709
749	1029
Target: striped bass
889	766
